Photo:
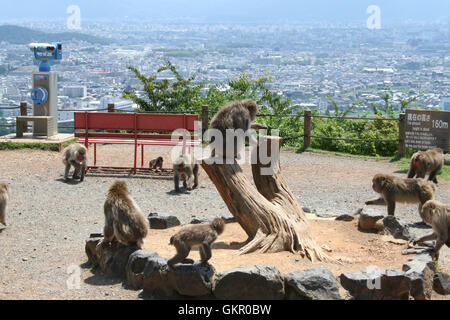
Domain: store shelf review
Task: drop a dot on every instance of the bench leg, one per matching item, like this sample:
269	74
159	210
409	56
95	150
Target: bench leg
19	129
95	154
142	156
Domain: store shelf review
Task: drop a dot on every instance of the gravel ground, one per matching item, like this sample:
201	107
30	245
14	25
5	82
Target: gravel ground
50	220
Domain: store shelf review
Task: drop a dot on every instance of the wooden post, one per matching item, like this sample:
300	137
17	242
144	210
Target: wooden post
205	120
24	113
307	129
402	135
111	107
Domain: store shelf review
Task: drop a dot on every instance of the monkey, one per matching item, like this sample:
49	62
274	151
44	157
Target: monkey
426	162
5	194
236	115
75	155
156	163
395	189
186	168
437	215
202	235
124	221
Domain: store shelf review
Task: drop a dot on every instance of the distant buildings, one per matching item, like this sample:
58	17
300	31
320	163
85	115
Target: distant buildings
445	103
75	91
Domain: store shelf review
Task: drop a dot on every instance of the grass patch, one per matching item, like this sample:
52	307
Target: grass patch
337	153
34	145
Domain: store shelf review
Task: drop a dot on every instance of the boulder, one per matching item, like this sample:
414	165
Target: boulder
228	218
421	278
441	283
199	220
184	280
312	284
136	266
368	219
162	221
258	282
113	258
192	280
398	229
307	210
374	283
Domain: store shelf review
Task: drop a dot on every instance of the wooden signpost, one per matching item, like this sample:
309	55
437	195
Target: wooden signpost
427	129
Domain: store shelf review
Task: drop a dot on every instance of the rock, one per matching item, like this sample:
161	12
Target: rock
441	283
427	257
192	280
155	277
327	248
368	219
374	283
397	228
346	217
113	259
90	249
135	268
312	284
307	210
229	219
183	280
199	220
421	278
162	221
326	213
258	282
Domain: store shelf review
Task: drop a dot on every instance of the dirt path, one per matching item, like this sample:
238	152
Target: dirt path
50	220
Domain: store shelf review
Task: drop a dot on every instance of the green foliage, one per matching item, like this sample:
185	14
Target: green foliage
277	112
23	145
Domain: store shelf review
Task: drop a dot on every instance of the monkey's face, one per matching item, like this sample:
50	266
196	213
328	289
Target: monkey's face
417	162
428	210
81	156
378	183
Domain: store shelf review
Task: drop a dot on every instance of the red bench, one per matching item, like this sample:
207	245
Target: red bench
136	125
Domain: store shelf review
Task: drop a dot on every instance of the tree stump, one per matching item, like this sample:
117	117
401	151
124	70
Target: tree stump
270	215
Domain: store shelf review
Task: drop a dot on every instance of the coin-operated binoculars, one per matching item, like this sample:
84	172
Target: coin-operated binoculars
45	89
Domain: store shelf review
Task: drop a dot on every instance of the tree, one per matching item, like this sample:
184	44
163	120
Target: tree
167	94
270	214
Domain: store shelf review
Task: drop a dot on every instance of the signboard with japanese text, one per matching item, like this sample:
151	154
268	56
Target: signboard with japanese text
427	129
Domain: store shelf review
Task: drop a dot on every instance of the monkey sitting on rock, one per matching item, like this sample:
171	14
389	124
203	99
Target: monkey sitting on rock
427	162
395	189
75	155
202	235
186	168
4	198
124	221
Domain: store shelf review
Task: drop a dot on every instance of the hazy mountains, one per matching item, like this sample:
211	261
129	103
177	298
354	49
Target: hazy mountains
21	35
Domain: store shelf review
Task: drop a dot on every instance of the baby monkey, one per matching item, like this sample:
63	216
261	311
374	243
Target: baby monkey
202	235
156	163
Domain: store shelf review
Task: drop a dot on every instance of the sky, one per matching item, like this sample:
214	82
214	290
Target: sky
229	10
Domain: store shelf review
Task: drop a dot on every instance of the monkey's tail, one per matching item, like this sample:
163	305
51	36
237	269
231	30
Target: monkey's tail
171	240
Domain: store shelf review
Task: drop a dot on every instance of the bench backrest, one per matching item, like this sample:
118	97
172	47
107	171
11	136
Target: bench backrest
134	121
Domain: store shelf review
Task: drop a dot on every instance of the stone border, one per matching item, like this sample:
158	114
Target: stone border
144	269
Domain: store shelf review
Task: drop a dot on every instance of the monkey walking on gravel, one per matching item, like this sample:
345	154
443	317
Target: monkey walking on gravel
426	162
75	155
